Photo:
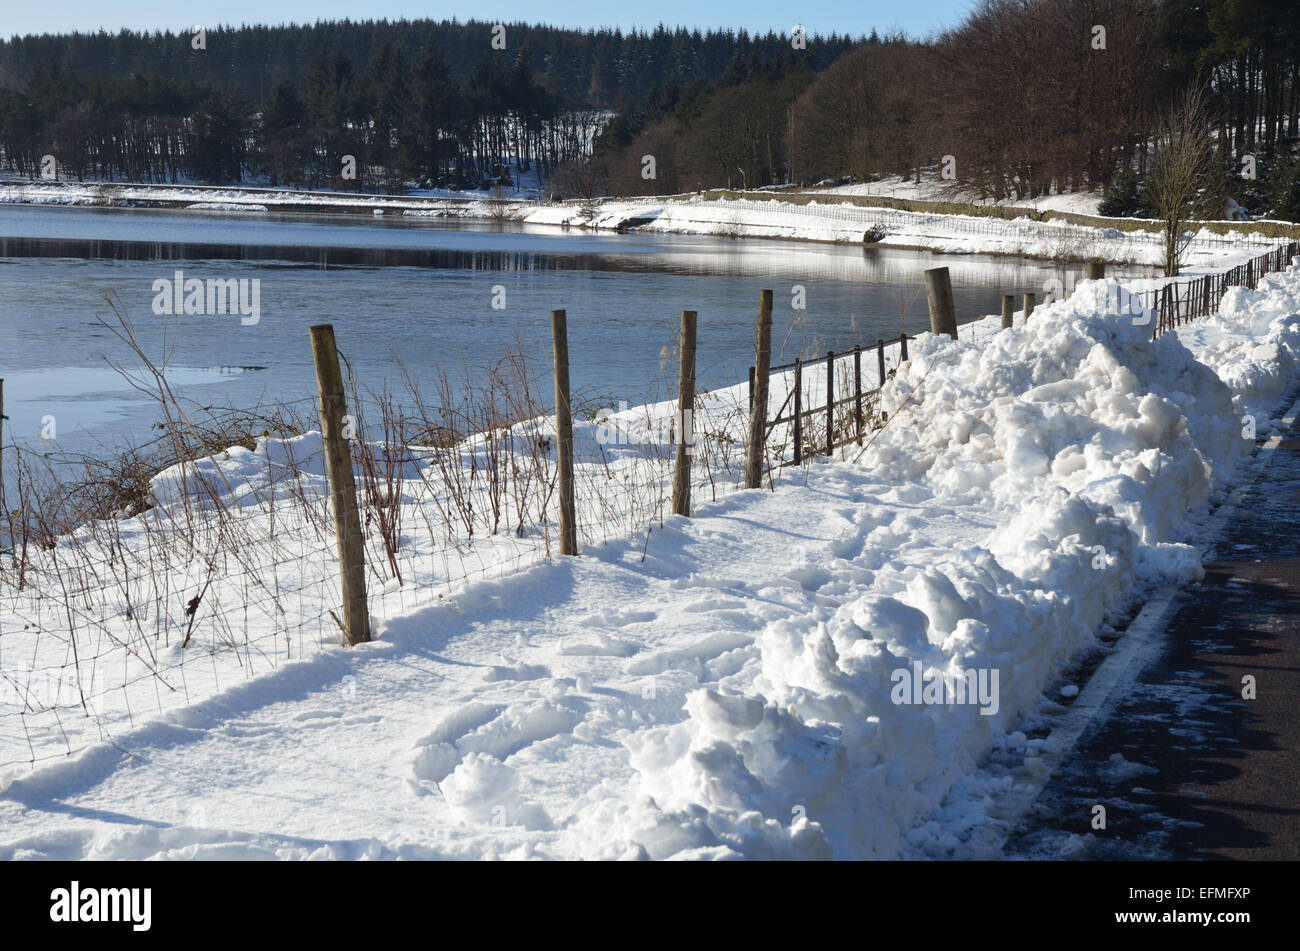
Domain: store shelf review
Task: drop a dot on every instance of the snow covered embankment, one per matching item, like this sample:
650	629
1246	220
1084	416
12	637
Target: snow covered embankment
843	222
721	687
1088	445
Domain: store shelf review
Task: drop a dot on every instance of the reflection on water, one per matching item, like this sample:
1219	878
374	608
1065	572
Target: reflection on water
420	292
455	245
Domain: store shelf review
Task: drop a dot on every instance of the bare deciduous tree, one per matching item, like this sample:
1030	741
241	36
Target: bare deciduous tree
1182	164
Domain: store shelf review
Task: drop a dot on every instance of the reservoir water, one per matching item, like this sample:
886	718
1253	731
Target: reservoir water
421	292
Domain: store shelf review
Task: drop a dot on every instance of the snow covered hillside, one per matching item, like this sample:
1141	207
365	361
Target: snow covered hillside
715	687
933	188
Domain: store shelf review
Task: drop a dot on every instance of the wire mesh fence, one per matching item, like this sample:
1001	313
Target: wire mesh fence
823	403
1176	302
230	567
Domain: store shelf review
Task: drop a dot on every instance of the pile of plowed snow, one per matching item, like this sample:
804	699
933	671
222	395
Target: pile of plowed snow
1087	445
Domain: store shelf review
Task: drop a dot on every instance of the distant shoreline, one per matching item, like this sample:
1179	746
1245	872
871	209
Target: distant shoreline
805	216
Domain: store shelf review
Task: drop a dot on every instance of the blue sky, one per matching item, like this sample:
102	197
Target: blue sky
853	16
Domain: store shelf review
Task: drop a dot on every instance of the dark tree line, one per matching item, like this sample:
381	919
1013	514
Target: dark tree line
734	132
396	119
137	128
290	104
595	69
1024	98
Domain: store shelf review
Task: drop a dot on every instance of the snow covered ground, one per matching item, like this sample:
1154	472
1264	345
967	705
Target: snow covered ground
754	681
933	188
841	221
527	185
759	215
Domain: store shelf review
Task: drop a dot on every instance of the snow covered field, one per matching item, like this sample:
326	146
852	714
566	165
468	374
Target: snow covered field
728	685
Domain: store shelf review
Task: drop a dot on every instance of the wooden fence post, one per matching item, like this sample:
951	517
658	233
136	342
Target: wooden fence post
902	347
798	411
938	294
564	433
1094	270
3	417
880	359
830	402
4	509
1008	310
343	489
758	405
1029	307
857	390
685	417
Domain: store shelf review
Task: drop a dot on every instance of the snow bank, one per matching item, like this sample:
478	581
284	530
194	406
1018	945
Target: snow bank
1252	344
842	221
225	206
1089	445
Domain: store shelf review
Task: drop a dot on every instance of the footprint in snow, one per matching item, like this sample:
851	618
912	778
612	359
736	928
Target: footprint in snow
499	673
596	644
499	732
713	604
617	618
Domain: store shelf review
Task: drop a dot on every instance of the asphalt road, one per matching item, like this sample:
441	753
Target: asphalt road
1185	766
